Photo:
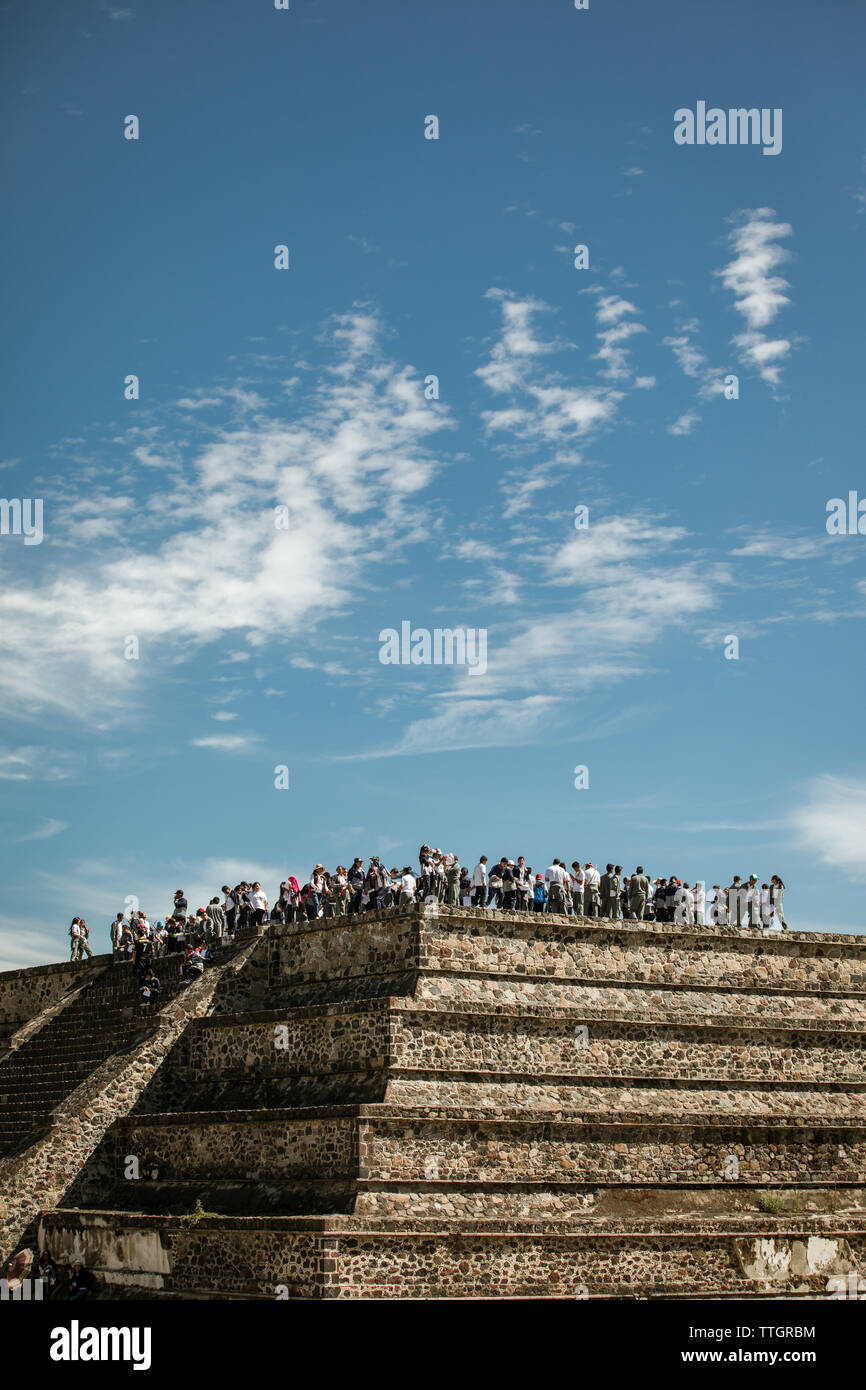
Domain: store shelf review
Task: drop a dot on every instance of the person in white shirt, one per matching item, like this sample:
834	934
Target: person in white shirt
555	878
576	881
407	887
684	907
479	882
591	896
717	910
259	904
699	898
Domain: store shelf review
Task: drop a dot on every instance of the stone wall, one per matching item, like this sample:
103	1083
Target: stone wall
25	993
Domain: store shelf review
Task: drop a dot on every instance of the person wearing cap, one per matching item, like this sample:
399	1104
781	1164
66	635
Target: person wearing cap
539	894
591	881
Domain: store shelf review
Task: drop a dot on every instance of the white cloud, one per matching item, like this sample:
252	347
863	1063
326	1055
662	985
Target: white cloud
685	424
830	821
349	468
44	832
227	743
758	291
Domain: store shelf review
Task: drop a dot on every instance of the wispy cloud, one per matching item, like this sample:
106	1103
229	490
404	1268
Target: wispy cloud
757	289
44	832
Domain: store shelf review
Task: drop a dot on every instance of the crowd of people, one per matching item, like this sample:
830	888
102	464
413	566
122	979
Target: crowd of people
506	885
38	1277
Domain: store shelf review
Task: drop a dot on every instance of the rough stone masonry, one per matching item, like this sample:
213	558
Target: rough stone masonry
447	1103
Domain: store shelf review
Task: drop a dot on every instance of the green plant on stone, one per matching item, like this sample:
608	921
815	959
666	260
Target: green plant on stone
192	1218
770	1203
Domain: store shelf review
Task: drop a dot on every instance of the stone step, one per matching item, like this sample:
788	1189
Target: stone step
428	1258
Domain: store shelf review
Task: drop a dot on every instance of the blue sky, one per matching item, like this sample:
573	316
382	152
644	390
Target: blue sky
305	388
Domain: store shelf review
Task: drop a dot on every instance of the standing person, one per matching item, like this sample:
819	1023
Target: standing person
683	906
777	900
142	953
317	886
555	877
539	894
615	881
216	919
576	883
523	884
700	898
115	931
230	907
717	912
736	896
407	887
374	883
479	882
591	881
439	882
494	886
85	938
75	939
180	904
465	888
605	891
509	888
638	892
356	884
452	882
753	901
259	904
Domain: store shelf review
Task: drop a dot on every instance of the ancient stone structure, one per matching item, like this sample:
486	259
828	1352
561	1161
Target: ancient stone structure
452	1102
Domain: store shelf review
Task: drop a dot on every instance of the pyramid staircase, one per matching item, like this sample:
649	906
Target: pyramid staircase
454	1102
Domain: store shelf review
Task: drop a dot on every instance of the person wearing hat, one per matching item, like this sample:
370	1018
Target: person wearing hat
407	887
